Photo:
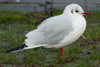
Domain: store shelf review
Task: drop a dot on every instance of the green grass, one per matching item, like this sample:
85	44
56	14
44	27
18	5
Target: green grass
14	25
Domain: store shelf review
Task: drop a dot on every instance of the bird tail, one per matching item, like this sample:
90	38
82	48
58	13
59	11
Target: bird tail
16	48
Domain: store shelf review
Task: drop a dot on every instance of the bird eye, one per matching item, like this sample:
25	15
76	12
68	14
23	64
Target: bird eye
77	11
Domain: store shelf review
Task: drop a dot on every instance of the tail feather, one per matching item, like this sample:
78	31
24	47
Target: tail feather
16	48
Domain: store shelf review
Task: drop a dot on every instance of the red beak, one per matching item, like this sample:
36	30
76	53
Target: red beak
86	13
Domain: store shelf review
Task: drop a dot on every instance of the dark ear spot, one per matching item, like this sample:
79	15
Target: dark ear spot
76	11
72	11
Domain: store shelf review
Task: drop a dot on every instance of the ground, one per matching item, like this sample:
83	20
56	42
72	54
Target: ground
15	24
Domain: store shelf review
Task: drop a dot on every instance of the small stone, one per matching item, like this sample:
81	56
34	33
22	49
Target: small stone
88	53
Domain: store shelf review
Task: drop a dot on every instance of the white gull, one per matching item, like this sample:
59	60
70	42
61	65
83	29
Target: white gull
57	31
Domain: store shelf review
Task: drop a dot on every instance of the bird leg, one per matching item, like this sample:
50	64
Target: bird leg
85	39
62	57
61	53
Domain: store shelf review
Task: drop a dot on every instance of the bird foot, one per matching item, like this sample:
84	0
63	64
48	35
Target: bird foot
64	58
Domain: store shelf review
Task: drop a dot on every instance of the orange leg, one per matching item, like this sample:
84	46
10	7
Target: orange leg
62	57
61	53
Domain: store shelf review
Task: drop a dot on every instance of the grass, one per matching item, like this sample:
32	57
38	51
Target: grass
15	24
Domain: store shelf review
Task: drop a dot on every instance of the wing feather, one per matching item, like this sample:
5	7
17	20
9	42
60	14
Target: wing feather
51	31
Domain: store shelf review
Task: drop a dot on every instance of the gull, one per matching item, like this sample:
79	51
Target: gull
57	31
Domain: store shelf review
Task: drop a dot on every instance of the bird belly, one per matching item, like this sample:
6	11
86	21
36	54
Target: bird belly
76	33
78	30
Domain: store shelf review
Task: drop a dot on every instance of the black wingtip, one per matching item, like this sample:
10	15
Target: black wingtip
16	48
7	51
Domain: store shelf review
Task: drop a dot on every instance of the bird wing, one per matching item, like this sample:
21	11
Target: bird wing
51	31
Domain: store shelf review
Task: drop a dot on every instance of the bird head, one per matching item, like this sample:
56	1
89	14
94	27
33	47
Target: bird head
75	9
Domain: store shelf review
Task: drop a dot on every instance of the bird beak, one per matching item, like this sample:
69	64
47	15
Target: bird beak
86	13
